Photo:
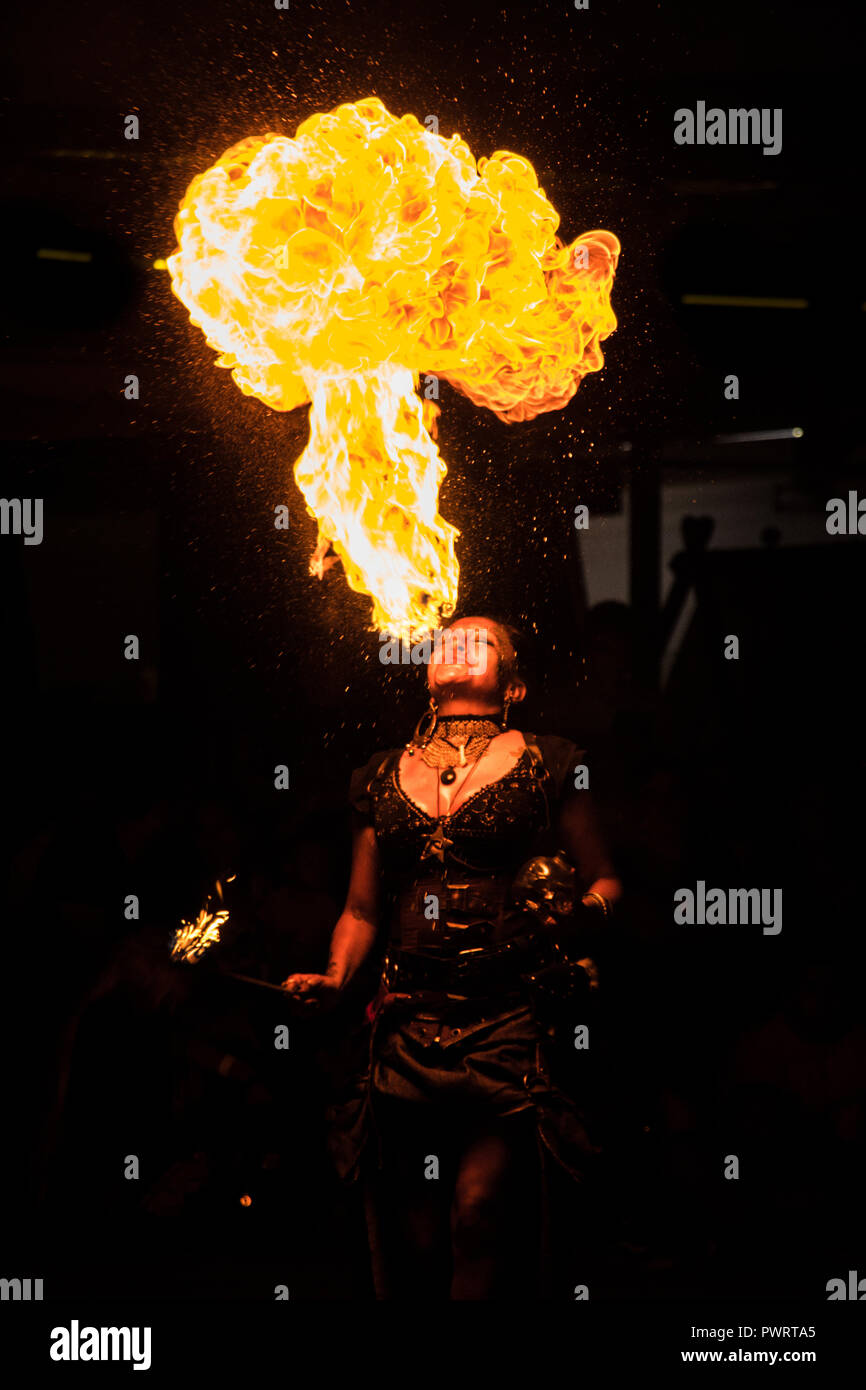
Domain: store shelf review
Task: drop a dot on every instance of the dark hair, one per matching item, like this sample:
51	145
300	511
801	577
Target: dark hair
513	666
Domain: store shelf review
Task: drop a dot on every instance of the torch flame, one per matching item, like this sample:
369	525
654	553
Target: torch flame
338	267
192	939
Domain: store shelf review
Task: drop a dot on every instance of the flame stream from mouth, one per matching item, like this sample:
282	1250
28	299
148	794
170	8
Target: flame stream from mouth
377	499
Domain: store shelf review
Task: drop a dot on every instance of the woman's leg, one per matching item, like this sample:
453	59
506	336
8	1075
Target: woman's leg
495	1212
407	1208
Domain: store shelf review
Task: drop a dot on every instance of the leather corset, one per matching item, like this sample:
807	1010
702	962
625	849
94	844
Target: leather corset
450	917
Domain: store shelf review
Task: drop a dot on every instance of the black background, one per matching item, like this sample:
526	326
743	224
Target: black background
153	778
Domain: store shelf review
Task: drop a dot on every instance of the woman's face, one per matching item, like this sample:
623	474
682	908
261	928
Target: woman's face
470	661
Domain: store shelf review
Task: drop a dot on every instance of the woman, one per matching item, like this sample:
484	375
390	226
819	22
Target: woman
457	1108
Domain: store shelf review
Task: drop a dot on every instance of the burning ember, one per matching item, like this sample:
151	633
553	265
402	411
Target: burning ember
336	269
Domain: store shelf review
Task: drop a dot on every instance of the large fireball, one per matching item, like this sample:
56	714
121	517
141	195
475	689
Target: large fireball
337	269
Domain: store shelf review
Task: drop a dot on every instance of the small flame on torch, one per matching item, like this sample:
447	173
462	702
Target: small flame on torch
192	939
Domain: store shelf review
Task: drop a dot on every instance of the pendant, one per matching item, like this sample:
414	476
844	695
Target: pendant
447	777
437	845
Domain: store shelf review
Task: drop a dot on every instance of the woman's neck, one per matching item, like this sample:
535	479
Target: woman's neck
460	707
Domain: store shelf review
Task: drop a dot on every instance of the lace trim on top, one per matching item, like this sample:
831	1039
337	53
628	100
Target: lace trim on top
449	815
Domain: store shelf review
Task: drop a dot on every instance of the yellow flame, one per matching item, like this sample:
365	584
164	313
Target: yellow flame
336	268
192	939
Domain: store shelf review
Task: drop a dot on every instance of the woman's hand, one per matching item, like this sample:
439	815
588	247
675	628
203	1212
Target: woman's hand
318	993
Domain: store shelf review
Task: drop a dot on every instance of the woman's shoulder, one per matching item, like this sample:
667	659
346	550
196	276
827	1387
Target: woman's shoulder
560	756
554	747
360	782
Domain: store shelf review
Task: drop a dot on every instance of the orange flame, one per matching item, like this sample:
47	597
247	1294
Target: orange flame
192	939
338	267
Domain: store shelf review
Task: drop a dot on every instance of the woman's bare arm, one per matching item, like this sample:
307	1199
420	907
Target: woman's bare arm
354	935
582	841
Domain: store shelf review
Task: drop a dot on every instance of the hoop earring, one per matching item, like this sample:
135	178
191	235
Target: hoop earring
430	717
505	707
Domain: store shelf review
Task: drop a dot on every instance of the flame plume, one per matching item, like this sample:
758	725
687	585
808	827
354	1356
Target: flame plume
338	267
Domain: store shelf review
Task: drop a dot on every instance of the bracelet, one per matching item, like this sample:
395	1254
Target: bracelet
602	902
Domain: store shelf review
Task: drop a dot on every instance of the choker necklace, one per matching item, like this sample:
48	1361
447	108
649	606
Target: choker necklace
457	741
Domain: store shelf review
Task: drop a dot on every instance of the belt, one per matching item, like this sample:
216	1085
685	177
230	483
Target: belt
473	974
434	1004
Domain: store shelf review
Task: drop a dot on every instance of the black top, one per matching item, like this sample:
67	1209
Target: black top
494	830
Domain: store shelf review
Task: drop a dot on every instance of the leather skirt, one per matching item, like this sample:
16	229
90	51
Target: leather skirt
459	1060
